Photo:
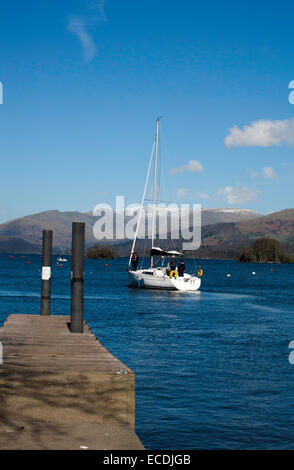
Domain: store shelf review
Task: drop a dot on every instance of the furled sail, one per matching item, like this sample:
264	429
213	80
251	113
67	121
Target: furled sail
156	251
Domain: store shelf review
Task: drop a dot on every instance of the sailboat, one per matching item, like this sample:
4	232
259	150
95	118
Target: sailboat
155	276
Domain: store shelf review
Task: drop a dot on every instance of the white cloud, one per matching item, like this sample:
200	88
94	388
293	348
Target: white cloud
78	26
181	192
262	133
193	166
238	195
99	6
269	173
203	196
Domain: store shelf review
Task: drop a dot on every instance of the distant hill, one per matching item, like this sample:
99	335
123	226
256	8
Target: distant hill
223	240
17	245
215	216
29	228
224	231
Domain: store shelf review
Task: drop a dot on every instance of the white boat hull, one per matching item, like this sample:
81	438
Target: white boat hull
156	278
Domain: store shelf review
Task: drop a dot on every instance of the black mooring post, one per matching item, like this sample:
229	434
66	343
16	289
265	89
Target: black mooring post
46	272
77	277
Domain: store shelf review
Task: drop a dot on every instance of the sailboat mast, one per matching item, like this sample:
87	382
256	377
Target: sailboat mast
154	190
142	204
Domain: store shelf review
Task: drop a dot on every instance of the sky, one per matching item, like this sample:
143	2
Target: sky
85	80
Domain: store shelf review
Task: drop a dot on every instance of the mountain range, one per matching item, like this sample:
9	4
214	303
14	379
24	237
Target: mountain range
24	235
222	240
224	231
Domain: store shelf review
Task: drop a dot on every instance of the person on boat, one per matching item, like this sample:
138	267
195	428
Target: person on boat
135	259
173	263
181	268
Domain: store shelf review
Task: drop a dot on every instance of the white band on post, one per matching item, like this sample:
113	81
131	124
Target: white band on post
46	273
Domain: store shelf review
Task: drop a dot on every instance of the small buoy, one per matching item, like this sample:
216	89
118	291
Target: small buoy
254	273
228	275
106	264
272	270
29	262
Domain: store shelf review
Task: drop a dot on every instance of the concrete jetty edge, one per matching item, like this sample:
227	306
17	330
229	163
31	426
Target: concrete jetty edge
61	390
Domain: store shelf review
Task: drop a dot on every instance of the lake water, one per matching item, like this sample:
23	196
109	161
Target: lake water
212	367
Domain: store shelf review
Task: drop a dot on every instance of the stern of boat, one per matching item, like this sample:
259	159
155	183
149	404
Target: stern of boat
187	283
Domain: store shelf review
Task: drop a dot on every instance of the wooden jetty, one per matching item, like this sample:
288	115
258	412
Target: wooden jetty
62	390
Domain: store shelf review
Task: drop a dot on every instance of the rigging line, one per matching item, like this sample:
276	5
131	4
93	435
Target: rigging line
154	186
164	162
142	203
144	251
159	172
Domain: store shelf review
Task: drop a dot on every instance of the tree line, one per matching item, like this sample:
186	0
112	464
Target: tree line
264	250
100	252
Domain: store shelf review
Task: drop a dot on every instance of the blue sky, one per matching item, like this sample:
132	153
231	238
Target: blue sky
84	81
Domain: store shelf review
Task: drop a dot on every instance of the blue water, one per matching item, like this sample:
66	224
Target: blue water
212	367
